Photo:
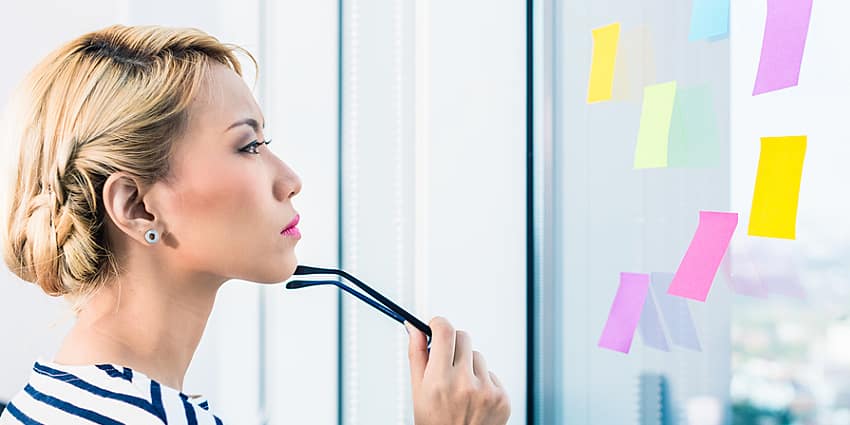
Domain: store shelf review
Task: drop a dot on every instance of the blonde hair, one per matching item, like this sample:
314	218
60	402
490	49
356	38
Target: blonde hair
111	100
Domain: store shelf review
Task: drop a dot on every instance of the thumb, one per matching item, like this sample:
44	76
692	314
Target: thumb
417	353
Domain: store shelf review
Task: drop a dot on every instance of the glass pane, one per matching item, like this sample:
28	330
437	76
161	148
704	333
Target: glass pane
770	341
618	217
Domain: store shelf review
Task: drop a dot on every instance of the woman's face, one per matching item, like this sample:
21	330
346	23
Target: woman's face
226	201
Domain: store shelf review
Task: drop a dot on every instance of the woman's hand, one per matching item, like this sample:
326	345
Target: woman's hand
451	385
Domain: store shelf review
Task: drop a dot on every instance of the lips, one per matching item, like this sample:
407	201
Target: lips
292	223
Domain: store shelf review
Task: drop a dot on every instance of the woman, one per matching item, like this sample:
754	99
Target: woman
113	206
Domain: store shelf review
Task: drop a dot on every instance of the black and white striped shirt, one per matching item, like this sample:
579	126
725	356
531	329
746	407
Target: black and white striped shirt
101	394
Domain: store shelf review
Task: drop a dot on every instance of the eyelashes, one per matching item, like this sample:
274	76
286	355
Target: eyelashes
253	146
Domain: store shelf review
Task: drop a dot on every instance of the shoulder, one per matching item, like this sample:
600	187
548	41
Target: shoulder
105	394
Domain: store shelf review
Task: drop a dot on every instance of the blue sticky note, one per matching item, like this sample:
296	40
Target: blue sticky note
650	327
709	20
676	313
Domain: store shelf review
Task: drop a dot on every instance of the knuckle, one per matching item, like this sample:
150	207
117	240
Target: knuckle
442	323
465	390
504	407
441	388
443	334
492	398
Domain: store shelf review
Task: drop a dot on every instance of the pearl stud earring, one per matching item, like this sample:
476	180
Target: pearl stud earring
152	236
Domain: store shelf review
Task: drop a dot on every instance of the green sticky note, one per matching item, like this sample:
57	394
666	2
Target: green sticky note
654	132
774	211
693	130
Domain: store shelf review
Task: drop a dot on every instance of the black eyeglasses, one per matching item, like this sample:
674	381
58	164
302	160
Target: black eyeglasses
383	304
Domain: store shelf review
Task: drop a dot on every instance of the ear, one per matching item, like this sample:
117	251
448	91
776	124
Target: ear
123	200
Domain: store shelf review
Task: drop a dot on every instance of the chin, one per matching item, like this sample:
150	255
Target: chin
276	275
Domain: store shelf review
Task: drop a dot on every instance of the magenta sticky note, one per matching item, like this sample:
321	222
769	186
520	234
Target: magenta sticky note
696	272
625	312
785	32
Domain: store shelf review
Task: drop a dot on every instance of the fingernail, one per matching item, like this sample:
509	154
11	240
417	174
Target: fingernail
407	327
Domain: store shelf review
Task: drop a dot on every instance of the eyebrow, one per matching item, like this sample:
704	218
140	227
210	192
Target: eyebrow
247	121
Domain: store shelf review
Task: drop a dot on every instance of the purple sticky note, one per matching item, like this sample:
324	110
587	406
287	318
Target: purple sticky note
751	286
787	285
696	272
785	32
651	330
745	279
625	312
676	314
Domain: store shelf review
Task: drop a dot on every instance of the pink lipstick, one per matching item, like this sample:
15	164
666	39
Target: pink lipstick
291	230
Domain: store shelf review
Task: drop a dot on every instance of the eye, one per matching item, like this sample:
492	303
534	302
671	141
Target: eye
253	146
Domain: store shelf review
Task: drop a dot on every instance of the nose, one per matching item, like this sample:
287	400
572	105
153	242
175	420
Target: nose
287	185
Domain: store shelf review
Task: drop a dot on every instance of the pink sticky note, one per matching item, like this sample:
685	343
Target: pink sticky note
625	312
785	32
696	271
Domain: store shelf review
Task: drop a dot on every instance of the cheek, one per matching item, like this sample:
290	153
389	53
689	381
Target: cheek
215	215
218	192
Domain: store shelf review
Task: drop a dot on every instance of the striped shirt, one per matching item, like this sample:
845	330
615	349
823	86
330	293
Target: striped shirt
101	394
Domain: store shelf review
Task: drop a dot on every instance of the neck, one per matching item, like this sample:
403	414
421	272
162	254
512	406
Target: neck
150	322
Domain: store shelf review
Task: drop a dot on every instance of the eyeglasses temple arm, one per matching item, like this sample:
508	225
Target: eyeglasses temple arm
302	270
295	284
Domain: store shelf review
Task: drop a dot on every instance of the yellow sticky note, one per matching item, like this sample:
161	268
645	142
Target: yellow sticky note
654	132
774	212
601	84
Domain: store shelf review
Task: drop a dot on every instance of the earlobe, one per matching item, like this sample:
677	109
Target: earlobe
123	203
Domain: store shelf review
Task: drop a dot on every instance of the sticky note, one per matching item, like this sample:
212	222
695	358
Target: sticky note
625	312
635	65
675	312
785	32
696	272
654	132
694	139
742	272
651	330
709	20
780	169
751	286
788	285
601	84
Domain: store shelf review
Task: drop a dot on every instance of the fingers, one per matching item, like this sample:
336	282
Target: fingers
479	367
417	354
443	337
495	380
463	352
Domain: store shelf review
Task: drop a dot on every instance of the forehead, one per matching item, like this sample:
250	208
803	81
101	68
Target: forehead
222	98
